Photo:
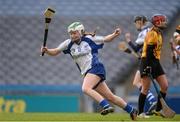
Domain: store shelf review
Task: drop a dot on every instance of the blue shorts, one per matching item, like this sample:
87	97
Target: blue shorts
99	70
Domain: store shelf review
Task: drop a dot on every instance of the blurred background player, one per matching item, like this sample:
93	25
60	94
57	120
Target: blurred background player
143	26
177	40
175	46
150	62
84	51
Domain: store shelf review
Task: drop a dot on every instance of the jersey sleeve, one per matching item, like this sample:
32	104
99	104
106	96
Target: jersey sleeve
141	37
97	39
64	45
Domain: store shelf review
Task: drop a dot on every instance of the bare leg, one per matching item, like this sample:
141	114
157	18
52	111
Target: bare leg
89	82
106	92
137	80
146	82
163	83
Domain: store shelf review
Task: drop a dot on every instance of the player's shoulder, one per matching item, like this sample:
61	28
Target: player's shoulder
66	42
88	36
152	33
144	32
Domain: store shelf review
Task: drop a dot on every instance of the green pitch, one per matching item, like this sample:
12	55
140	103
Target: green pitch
78	117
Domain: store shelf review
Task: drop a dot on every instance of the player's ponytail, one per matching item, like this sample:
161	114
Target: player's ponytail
89	33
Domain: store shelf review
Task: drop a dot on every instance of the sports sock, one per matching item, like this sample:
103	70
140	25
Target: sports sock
129	108
150	99
141	102
159	106
104	104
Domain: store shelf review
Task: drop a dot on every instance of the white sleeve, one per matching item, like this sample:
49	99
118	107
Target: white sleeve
97	39
64	45
141	37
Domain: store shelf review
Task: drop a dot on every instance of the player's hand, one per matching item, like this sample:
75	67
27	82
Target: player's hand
117	31
44	49
128	37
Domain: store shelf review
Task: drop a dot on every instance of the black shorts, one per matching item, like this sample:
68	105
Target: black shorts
156	71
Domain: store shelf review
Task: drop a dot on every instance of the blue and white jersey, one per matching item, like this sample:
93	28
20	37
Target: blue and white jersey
141	36
178	47
85	54
137	47
177	56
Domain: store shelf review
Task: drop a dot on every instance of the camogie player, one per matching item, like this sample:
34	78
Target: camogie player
143	26
150	62
176	43
84	52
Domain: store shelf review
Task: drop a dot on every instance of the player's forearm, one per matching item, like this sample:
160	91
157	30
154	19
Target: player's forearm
52	52
110	37
135	47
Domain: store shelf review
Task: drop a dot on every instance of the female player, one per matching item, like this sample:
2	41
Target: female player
176	45
150	62
143	26
84	51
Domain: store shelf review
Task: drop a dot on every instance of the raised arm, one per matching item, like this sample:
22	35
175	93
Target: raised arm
136	47
112	36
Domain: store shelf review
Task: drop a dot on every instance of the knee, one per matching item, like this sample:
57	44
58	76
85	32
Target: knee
85	89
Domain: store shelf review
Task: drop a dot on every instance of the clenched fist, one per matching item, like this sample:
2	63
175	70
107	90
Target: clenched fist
44	49
117	31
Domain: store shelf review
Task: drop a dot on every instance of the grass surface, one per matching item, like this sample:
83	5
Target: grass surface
78	117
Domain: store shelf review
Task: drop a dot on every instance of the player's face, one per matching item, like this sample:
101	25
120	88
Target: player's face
75	36
163	25
138	25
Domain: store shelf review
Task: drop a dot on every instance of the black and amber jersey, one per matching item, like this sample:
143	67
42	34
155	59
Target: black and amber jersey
153	38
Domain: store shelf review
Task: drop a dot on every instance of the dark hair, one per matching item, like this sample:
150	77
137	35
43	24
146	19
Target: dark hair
141	18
